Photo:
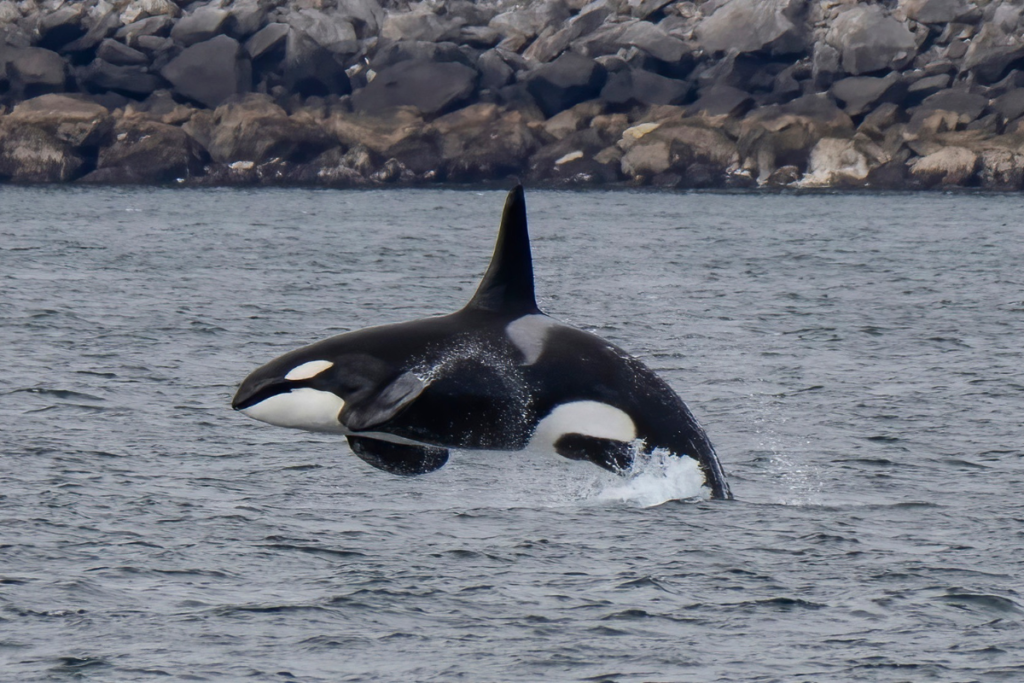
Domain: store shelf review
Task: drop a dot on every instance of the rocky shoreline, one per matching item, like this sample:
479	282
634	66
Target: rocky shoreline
903	94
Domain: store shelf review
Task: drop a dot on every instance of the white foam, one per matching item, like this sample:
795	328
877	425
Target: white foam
656	479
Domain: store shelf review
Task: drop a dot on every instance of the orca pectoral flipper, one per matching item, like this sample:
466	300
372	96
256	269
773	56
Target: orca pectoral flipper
377	409
398	458
615	456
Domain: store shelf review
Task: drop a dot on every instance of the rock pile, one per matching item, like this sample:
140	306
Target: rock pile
675	93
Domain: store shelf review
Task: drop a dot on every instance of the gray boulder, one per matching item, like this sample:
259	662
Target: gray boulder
60	27
654	41
860	93
146	151
871	40
420	24
210	72
35	71
151	26
1010	105
966	105
929	85
255	129
722	100
245	17
643	87
568	80
430	87
526	22
29	154
996	46
773	26
134	81
333	32
311	69
366	16
267	39
118	53
495	73
418	50
103	28
72	121
200	25
935	11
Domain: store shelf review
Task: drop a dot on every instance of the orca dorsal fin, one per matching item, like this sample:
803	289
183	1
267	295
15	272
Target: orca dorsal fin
507	286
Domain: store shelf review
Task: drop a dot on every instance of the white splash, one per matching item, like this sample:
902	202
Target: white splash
656	479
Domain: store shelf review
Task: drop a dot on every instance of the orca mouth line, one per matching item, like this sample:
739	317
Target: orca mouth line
261	394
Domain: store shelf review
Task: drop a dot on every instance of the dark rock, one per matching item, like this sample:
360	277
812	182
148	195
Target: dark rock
161	106
102	29
603	41
432	88
29	154
113	52
312	70
481	142
564	82
34	71
576	118
99	76
153	45
245	18
57	29
722	100
935	11
528	21
420	24
198	26
267	39
784	135
145	151
479	36
870	40
966	105
702	155
75	122
646	8
571	160
210	72
494	72
636	86
549	44
367	16
825	64
992	51
417	50
783	176
333	32
773	26
655	42
1010	105
861	93
881	119
152	26
255	129
927	86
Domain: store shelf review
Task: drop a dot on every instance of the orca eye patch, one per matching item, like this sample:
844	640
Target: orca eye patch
308	370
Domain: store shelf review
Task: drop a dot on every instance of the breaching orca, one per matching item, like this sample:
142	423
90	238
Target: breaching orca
498	375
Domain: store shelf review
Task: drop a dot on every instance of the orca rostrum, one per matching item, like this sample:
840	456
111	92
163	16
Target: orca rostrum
498	375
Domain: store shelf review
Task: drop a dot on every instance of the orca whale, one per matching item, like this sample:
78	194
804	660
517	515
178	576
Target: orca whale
498	375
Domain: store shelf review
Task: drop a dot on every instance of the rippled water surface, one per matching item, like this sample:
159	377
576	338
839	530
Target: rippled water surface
856	359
